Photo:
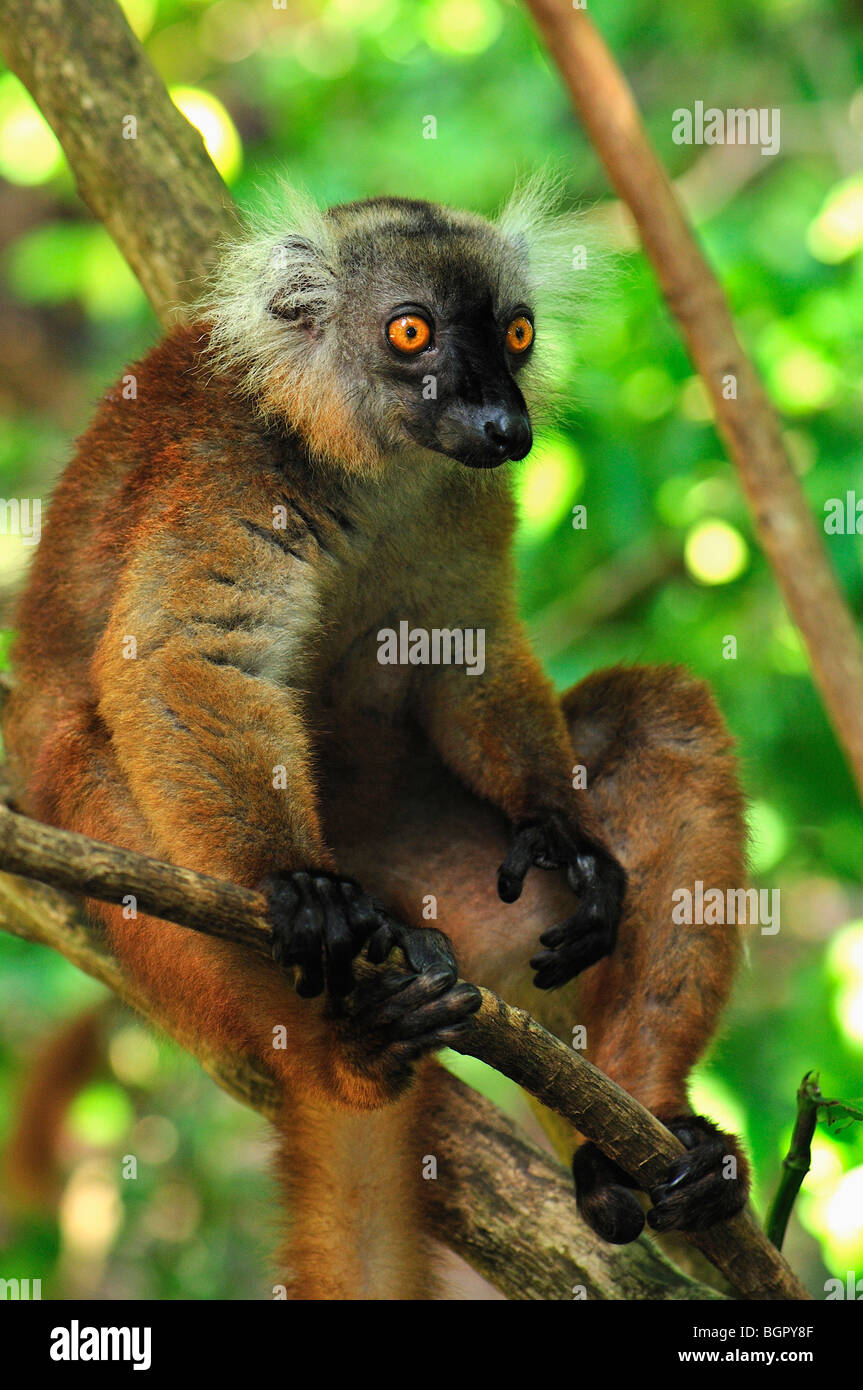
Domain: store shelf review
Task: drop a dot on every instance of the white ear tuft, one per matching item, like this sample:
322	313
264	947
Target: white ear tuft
273	290
563	264
268	304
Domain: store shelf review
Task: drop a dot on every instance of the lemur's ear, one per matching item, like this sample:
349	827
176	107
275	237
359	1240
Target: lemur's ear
304	283
274	288
562	262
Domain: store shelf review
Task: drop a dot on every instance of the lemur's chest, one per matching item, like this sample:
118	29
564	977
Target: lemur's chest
388	562
388	580
371	582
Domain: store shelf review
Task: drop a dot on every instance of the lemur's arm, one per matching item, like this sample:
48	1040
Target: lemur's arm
503	733
193	675
196	686
204	709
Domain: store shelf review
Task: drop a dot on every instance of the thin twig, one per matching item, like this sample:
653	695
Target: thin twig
811	1106
797	1161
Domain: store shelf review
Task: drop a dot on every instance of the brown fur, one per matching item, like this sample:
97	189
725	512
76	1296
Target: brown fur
58	1071
255	651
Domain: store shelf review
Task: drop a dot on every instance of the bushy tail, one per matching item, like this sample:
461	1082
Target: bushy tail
351	1184
61	1068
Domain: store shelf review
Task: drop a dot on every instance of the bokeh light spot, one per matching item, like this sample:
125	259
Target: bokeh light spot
768	836
30	152
207	114
547	484
845	965
837	231
461	26
715	552
648	394
141	15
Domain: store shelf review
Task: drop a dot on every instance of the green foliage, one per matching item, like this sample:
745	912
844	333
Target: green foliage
338	94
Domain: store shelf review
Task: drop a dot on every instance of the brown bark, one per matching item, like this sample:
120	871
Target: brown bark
507	1209
500	1202
158	194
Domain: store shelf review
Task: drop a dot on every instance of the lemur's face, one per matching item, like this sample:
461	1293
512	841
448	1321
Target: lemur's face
383	329
455	376
451	329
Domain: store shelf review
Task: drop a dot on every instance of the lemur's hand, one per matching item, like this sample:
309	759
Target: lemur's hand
592	872
411	1004
701	1187
402	1000
320	923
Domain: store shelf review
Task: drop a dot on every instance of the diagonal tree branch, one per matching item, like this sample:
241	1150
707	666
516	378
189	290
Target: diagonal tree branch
787	531
152	184
506	1038
502	1203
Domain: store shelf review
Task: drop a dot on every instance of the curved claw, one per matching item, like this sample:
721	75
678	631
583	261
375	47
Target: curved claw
700	1188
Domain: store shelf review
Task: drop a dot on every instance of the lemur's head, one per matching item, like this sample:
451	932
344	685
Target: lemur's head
394	326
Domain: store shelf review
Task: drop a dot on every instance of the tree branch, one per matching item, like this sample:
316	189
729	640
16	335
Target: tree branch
507	1039
157	193
748	423
507	1208
500	1201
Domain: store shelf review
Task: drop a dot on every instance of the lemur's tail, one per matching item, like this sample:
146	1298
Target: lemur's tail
64	1064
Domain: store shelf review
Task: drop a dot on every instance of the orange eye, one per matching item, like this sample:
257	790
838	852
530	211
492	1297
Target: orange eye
409	333
519	335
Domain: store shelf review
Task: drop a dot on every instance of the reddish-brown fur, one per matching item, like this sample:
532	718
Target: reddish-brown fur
405	778
31	1167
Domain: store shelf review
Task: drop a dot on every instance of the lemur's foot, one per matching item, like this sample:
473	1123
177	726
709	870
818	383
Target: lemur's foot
320	922
411	1006
701	1187
709	1183
605	1197
592	872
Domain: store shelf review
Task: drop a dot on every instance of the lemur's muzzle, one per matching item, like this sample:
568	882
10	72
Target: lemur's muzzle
484	436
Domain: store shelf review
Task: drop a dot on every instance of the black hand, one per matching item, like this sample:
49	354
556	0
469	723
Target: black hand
411	1006
592	872
320	922
700	1188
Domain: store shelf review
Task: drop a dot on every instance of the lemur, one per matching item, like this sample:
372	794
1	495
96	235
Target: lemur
326	453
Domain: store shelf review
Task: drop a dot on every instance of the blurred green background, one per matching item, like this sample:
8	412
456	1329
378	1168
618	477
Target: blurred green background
337	95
